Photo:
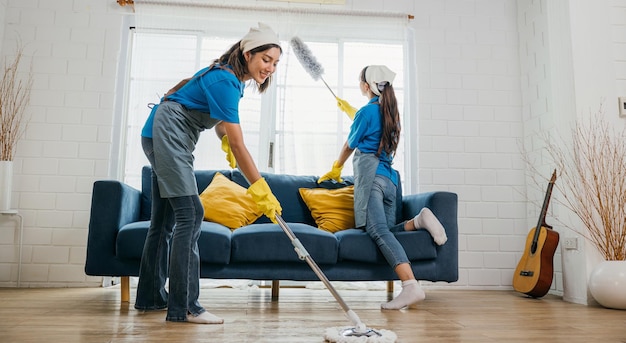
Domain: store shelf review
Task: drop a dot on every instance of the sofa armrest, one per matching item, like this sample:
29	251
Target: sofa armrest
445	207
113	205
443	204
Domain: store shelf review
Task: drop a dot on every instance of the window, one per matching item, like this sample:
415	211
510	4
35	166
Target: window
309	129
158	61
294	128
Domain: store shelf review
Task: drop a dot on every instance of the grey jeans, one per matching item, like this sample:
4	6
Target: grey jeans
381	214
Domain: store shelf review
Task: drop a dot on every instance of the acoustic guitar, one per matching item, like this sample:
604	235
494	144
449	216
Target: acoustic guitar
533	275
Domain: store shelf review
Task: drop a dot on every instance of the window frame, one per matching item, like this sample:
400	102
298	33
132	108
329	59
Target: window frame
267	132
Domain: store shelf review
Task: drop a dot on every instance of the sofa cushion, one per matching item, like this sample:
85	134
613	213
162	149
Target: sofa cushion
357	245
214	242
269	243
130	240
332	209
227	203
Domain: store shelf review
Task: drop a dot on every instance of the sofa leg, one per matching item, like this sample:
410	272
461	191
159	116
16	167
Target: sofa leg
125	288
389	286
275	288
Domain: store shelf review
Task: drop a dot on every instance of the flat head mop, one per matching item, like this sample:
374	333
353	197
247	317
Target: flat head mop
360	333
308	61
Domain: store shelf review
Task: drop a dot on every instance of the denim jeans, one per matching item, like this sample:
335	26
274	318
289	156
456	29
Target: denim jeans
172	236
380	224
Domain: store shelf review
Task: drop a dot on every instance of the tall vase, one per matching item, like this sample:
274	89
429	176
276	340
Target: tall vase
6	183
607	284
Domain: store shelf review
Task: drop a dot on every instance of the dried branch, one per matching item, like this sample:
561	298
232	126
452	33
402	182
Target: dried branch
592	182
14	99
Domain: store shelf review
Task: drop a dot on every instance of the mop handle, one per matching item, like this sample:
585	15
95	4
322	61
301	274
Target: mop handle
304	254
283	225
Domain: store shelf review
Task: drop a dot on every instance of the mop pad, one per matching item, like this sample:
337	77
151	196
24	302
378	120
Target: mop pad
342	335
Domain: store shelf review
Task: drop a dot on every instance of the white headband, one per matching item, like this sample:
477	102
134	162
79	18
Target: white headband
377	76
257	37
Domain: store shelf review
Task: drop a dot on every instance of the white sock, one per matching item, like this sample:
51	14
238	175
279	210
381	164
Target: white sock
204	318
411	293
426	219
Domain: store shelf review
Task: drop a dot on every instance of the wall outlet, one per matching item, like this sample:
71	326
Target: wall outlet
622	106
570	243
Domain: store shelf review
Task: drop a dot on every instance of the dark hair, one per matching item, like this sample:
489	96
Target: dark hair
390	117
234	58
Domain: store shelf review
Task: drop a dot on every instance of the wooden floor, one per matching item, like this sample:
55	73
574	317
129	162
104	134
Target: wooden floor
301	315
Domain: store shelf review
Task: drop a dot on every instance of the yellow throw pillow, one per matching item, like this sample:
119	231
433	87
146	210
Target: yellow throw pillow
225	202
332	209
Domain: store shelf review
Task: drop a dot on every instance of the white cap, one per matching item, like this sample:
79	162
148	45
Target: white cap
376	74
257	37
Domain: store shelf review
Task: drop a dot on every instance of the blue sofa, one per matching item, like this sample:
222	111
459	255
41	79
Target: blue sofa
120	217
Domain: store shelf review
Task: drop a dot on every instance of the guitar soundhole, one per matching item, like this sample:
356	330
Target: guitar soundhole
526	273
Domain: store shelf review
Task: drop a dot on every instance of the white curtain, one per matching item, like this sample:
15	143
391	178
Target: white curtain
287	21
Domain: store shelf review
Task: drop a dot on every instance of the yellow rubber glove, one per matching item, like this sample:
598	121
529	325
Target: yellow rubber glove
229	153
334	174
266	201
346	107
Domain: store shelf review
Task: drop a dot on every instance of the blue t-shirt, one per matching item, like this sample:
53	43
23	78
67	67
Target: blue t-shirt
365	134
216	91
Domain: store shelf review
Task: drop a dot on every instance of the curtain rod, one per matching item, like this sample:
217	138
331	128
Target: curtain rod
275	9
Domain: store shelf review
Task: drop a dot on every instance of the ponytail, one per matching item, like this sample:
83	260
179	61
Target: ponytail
391	121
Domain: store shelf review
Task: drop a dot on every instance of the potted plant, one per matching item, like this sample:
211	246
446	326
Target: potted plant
14	99
591	167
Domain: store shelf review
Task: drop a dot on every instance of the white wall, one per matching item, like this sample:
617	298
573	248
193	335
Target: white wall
598	30
618	38
74	47
570	52
547	93
474	110
469	126
3	9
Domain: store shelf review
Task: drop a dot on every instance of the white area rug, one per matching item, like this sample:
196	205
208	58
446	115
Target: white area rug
351	285
253	284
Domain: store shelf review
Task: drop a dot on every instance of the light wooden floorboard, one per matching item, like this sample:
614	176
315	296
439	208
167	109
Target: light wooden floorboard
302	315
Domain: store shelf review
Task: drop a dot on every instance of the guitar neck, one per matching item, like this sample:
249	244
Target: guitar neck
544	209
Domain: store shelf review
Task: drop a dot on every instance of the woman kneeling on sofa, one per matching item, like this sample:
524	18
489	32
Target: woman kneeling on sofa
374	135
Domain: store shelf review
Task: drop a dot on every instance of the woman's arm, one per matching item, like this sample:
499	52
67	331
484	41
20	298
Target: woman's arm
345	152
244	160
219	130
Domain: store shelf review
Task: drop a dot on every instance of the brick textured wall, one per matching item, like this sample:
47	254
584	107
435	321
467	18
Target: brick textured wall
469	114
73	47
618	35
482	85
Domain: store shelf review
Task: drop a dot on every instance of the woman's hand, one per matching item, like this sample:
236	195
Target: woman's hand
265	200
232	162
333	174
346	107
